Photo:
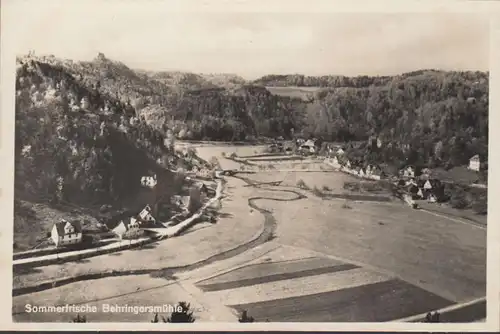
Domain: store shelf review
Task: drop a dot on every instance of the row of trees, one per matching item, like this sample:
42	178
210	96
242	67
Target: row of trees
335	81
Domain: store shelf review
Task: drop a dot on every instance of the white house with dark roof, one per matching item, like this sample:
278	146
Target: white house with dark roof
475	163
134	223
149	181
408	171
66	233
432	198
146	215
309	146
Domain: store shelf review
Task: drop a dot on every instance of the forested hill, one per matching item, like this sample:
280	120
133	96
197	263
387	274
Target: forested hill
335	81
436	117
78	145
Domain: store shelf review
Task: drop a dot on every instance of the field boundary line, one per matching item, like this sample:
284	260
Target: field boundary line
446	310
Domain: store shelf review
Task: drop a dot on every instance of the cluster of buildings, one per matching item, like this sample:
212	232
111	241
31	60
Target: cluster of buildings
142	219
431	190
69	233
340	162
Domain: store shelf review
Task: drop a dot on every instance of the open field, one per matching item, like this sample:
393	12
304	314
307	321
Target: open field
277	158
298	92
449	211
443	256
333	180
207	151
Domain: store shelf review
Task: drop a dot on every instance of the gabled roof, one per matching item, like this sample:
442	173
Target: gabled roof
60	226
476	157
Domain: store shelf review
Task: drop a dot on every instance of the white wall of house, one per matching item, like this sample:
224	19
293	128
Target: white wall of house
146	215
149	181
69	239
474	165
54	235
120	229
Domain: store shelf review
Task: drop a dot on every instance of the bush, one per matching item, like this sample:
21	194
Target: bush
352	186
79	318
301	184
245	317
233	155
480	206
185	315
326	188
346	205
317	192
458	200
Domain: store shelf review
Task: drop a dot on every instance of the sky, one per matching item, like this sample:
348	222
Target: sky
153	36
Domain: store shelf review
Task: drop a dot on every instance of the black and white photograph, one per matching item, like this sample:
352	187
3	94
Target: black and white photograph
205	166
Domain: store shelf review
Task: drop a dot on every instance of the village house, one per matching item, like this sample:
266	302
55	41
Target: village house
426	172
134	223
219	173
300	141
361	172
408	171
411	182
432	198
149	181
147	215
340	151
375	175
369	170
66	233
475	163
309	146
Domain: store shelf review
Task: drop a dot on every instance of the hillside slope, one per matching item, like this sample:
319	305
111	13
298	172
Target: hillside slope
78	146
